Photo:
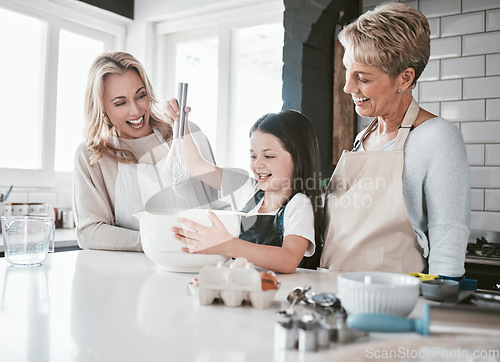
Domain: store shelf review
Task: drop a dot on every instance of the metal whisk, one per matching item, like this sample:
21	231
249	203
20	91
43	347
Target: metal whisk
175	171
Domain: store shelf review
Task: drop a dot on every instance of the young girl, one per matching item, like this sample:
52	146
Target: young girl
282	201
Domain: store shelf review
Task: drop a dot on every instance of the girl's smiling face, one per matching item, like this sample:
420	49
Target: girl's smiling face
271	163
373	91
127	105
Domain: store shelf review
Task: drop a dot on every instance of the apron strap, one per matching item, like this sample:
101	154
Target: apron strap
253	201
404	130
408	121
359	139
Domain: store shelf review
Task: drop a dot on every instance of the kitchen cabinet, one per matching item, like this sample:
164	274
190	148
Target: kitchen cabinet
91	305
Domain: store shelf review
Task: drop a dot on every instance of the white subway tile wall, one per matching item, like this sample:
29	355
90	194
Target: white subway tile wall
434	25
481	132
435	8
431	71
462	24
477	199
493	20
493	64
484	220
486	87
493	109
492	200
431	107
475	153
465	67
485	43
442	90
458	111
485	177
474	5
446	47
493	155
462	84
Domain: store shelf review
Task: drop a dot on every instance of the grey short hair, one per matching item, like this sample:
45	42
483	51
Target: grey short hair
393	36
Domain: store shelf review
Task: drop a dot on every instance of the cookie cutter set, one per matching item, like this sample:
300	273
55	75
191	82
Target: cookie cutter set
232	286
313	322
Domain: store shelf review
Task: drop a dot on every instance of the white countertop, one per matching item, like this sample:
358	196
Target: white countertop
115	306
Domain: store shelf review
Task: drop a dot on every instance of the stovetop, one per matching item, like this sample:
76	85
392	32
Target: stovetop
484	245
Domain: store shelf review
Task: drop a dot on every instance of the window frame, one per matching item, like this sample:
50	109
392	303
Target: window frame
193	25
61	15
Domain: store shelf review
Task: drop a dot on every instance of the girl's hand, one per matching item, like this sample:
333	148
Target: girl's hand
213	239
172	113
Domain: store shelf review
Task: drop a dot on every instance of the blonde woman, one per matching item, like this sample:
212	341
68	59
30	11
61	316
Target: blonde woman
399	201
119	166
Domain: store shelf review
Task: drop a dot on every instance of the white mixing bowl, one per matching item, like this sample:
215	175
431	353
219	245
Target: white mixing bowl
162	248
378	292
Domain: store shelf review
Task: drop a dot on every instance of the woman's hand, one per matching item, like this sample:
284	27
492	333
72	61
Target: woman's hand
213	239
172	113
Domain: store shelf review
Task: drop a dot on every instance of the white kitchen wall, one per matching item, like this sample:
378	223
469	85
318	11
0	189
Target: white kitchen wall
141	35
57	197
462	84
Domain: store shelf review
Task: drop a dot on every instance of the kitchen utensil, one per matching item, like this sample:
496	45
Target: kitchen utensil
175	171
435	319
162	248
378	292
27	239
312	322
308	333
8	193
439	289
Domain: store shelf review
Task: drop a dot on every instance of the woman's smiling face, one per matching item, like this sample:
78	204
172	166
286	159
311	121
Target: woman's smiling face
127	105
373	91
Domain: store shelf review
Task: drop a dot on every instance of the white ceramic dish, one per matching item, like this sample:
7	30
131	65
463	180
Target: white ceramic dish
162	248
378	292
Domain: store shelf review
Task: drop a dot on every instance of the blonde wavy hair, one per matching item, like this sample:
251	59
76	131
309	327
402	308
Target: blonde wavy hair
99	130
393	36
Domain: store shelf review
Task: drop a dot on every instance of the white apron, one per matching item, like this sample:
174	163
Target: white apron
366	222
137	183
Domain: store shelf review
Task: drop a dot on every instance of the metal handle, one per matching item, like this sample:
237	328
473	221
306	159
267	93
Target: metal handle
179	127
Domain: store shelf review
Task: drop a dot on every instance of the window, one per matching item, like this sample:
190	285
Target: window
76	53
234	71
197	65
21	91
256	84
46	55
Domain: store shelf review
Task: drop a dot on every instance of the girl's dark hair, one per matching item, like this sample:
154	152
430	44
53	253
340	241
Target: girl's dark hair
297	135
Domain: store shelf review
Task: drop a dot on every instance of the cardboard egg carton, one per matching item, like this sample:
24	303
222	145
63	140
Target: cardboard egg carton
233	285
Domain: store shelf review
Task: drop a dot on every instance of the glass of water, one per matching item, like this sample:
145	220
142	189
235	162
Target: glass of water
27	239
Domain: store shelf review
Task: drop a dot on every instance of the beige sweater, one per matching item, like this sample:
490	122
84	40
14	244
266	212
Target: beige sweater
94	192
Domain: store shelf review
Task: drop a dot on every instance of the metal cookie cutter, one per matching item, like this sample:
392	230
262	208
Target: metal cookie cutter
313	321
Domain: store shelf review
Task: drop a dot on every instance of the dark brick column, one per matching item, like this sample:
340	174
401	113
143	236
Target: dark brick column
310	30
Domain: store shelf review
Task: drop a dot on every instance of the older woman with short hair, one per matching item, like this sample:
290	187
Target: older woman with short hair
400	200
